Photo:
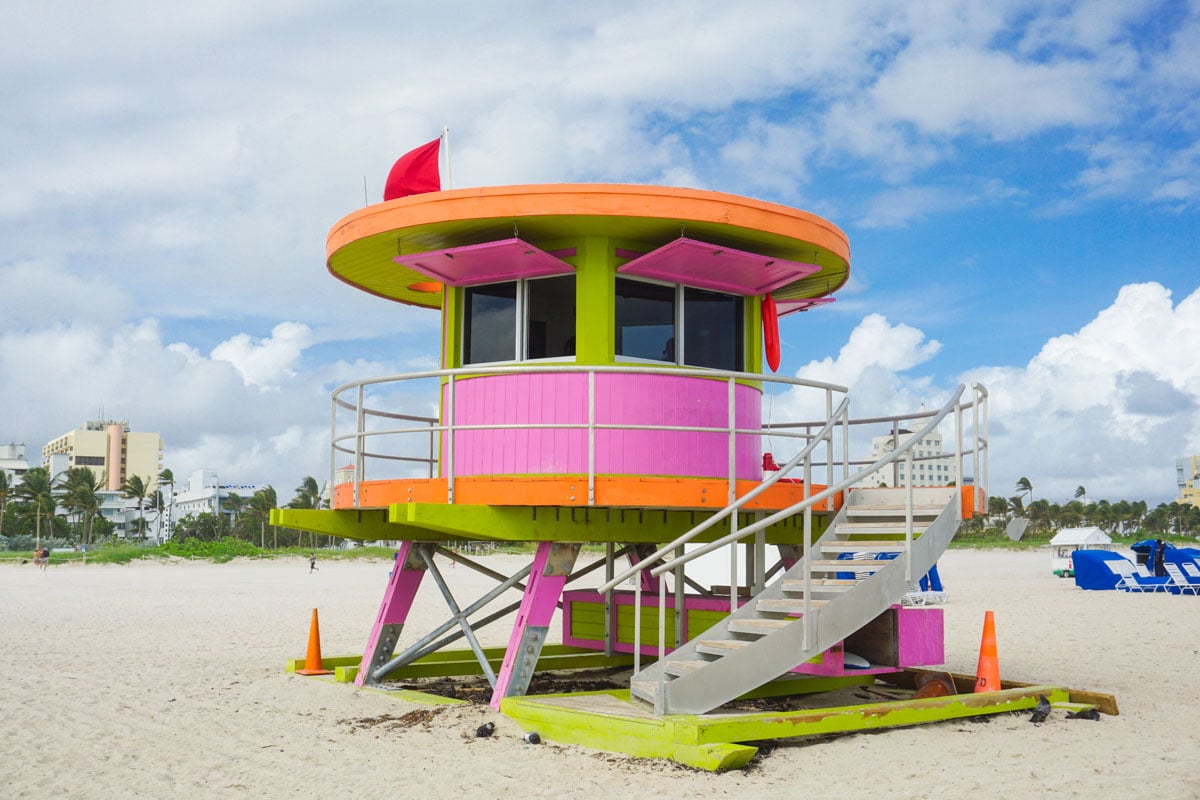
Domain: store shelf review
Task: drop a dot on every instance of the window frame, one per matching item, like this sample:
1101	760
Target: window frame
679	299
521	326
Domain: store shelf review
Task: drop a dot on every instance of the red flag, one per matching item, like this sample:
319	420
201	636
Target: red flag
414	172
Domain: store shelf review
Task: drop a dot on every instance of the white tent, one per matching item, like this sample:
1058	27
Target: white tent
1081	538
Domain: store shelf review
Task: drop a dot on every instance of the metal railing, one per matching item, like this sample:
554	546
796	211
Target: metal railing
371	423
661	561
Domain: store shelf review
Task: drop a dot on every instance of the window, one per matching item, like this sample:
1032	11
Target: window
648	321
712	333
518	320
550	318
491	323
645	320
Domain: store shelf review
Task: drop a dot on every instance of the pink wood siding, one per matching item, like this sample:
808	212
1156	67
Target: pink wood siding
628	399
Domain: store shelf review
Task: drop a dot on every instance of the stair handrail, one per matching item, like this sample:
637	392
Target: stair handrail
841	414
802	505
905	450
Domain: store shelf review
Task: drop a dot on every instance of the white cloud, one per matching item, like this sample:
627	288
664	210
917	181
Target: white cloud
262	362
1110	406
952	90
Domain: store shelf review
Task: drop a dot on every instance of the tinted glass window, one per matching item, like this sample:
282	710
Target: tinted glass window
551	317
712	330
645	320
490	332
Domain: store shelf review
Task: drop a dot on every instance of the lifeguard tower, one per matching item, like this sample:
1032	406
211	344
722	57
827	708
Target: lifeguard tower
602	381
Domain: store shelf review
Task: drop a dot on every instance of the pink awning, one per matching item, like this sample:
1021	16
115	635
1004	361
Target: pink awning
490	262
722	269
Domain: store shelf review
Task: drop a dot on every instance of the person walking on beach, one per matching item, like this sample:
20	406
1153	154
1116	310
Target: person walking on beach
312	563
1159	569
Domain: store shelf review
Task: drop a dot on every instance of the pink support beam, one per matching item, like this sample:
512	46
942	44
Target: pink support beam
403	583
551	567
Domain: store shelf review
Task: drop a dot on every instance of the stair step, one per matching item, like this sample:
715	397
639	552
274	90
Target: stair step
796	585
888	527
646	690
787	605
848	564
891	511
720	647
682	667
863	546
758	627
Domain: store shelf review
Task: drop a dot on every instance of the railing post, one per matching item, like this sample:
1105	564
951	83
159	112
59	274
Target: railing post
679	599
731	496
609	550
908	517
895	446
846	443
986	442
333	450
829	479
662	621
359	460
448	415
808	542
637	624
591	437
432	448
958	457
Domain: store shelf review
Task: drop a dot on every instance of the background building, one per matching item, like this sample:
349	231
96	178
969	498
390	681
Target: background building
932	465
1187	475
12	461
204	493
110	450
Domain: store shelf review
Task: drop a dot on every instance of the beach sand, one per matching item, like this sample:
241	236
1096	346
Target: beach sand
165	680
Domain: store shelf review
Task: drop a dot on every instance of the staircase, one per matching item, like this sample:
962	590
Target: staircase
780	627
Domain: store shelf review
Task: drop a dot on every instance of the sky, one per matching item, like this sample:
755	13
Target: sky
1019	181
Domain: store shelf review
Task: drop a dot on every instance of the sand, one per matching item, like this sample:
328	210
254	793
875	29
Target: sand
165	680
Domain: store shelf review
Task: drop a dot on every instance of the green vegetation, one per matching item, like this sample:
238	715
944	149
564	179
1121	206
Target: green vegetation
64	512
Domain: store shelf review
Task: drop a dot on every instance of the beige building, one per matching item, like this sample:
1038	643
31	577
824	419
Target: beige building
110	450
1187	471
931	466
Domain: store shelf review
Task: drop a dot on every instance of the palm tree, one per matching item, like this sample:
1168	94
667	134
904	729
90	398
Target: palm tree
1081	492
137	489
1025	487
81	486
308	495
998	507
1015	506
259	508
233	503
37	490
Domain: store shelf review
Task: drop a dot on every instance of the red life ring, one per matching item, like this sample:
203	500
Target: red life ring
770	321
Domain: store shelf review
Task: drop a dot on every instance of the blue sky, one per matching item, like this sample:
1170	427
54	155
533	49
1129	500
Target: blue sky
1020	182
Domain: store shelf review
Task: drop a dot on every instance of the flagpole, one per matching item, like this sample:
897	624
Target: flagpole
446	146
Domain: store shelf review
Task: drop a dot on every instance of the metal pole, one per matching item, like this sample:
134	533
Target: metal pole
359	461
609	548
591	437
908	518
448	456
462	620
637	624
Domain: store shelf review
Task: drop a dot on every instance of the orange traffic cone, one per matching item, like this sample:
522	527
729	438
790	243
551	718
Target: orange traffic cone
312	659
987	675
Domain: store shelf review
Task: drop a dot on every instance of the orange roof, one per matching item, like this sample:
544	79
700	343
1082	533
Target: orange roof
362	246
